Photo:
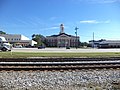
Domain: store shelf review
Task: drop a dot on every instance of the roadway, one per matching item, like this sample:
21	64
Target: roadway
72	50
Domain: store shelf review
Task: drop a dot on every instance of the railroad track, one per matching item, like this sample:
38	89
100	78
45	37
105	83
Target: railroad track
59	64
44	59
26	68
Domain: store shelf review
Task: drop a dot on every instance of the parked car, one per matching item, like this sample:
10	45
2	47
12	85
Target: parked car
67	47
29	46
41	47
19	46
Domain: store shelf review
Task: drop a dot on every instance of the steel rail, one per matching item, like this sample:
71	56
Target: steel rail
61	63
40	59
61	68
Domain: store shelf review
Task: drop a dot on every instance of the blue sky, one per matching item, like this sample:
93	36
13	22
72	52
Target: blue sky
29	17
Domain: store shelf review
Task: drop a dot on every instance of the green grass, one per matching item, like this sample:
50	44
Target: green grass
32	54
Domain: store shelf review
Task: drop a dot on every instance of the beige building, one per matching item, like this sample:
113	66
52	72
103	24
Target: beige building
17	39
62	39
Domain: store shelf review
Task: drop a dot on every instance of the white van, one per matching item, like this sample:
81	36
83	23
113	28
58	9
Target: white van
4	45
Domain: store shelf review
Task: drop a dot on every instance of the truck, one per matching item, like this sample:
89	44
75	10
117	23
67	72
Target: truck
4	45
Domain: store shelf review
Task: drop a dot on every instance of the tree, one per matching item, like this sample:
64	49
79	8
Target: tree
40	39
84	44
1	32
33	36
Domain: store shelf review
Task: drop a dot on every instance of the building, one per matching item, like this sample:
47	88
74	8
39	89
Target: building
17	39
62	39
95	43
105	43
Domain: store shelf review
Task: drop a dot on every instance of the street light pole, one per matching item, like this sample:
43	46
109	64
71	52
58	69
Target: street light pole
93	39
76	28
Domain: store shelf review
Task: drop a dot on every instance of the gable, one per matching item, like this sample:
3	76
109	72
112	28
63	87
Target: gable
64	36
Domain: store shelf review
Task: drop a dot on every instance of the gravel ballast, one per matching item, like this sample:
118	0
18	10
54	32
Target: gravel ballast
104	79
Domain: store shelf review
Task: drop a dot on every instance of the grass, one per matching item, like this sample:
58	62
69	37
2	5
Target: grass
68	55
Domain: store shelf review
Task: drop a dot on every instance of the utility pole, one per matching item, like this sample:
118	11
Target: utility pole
93	39
76	28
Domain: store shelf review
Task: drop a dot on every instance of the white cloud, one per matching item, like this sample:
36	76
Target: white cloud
107	21
93	21
104	1
89	21
22	21
30	21
53	18
51	28
99	1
